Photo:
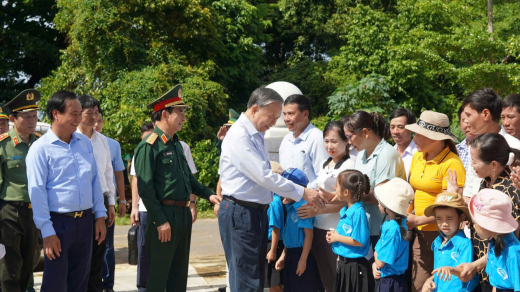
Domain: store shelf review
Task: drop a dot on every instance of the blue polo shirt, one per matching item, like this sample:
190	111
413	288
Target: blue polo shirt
392	249
293	234
504	270
354	224
275	216
456	251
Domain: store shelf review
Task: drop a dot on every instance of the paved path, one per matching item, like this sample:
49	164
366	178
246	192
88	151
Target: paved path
207	269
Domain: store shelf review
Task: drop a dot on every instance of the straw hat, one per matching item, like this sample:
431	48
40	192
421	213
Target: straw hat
448	199
432	125
491	209
395	195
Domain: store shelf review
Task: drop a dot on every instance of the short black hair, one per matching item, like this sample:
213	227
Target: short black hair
485	98
146	127
157	115
58	101
459	112
88	101
402	112
303	102
512	100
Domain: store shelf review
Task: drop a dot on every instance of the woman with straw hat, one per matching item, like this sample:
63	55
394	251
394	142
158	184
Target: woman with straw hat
436	157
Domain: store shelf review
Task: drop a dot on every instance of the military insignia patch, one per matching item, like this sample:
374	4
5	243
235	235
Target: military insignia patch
30	96
16	141
3	136
15	157
38	135
167	153
151	139
164	139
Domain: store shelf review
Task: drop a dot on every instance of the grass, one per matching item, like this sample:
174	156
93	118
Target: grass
207	214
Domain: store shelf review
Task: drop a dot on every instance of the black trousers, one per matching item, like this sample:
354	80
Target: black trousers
95	279
307	281
20	237
243	232
143	263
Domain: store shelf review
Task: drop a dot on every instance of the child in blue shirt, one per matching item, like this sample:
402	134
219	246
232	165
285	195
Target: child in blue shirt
275	246
297	259
392	250
491	214
452	247
351	239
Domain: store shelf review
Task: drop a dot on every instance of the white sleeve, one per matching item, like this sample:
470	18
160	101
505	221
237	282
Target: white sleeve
249	162
189	157
132	167
109	174
318	155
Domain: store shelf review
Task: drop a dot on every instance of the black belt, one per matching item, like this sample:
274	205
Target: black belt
77	214
246	203
19	204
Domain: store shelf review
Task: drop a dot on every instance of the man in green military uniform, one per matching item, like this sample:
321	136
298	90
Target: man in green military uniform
17	230
4	122
165	183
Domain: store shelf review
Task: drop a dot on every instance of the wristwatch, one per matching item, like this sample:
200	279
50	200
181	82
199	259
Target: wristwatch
193	202
122	201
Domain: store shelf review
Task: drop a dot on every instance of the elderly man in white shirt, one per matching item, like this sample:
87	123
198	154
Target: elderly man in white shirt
303	147
89	114
404	143
481	111
248	185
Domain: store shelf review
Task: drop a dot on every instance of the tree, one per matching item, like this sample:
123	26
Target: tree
30	44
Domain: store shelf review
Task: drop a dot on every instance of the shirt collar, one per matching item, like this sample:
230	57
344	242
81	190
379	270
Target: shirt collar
509	238
463	144
504	175
340	162
303	136
163	136
409	148
453	241
376	152
15	137
250	128
440	157
51	137
346	211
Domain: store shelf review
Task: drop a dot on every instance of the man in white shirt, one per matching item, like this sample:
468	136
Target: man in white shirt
303	147
89	114
404	143
482	110
247	187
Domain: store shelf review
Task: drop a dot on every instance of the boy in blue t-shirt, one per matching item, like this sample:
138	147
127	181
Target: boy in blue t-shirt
297	258
275	246
452	247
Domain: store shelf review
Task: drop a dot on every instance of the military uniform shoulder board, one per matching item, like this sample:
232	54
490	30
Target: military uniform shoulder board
38	135
3	136
151	139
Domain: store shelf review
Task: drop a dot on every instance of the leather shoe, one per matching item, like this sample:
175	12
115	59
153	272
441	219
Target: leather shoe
222	289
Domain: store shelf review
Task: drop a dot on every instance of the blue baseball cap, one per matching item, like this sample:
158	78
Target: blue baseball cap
296	176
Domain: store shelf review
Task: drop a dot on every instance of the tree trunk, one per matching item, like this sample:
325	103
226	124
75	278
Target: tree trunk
490	17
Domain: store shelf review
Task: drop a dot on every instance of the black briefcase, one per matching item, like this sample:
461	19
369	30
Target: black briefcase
132	245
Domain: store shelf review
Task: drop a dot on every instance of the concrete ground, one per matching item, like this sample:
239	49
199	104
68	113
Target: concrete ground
207	269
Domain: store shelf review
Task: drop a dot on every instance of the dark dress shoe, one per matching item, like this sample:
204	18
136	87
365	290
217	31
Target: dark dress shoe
222	289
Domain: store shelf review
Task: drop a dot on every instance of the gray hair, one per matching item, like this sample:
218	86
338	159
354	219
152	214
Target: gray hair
263	97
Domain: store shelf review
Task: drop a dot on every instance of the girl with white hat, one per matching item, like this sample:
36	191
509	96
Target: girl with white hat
392	250
490	211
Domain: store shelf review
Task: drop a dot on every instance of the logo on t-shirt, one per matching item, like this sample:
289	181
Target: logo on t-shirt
502	273
294	217
455	256
347	228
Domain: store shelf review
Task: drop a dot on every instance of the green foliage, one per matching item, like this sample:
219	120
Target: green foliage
370	94
206	158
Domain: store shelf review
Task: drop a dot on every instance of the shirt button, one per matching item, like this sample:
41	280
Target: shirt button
170	161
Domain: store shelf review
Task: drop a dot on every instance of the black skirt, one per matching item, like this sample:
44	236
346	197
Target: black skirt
354	275
273	277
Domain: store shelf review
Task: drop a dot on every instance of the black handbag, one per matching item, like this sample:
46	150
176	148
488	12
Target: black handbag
132	245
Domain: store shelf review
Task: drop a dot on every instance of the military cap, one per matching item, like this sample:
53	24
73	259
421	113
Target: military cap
172	98
3	115
233	117
25	101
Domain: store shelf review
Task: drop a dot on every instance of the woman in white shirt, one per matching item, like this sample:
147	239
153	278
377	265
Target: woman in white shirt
337	146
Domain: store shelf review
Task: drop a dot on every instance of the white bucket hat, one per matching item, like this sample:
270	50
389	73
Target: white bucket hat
433	125
395	195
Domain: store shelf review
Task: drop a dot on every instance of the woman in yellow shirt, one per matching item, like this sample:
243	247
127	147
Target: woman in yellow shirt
429	176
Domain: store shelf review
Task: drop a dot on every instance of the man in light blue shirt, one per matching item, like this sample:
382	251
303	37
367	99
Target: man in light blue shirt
247	187
303	147
65	193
